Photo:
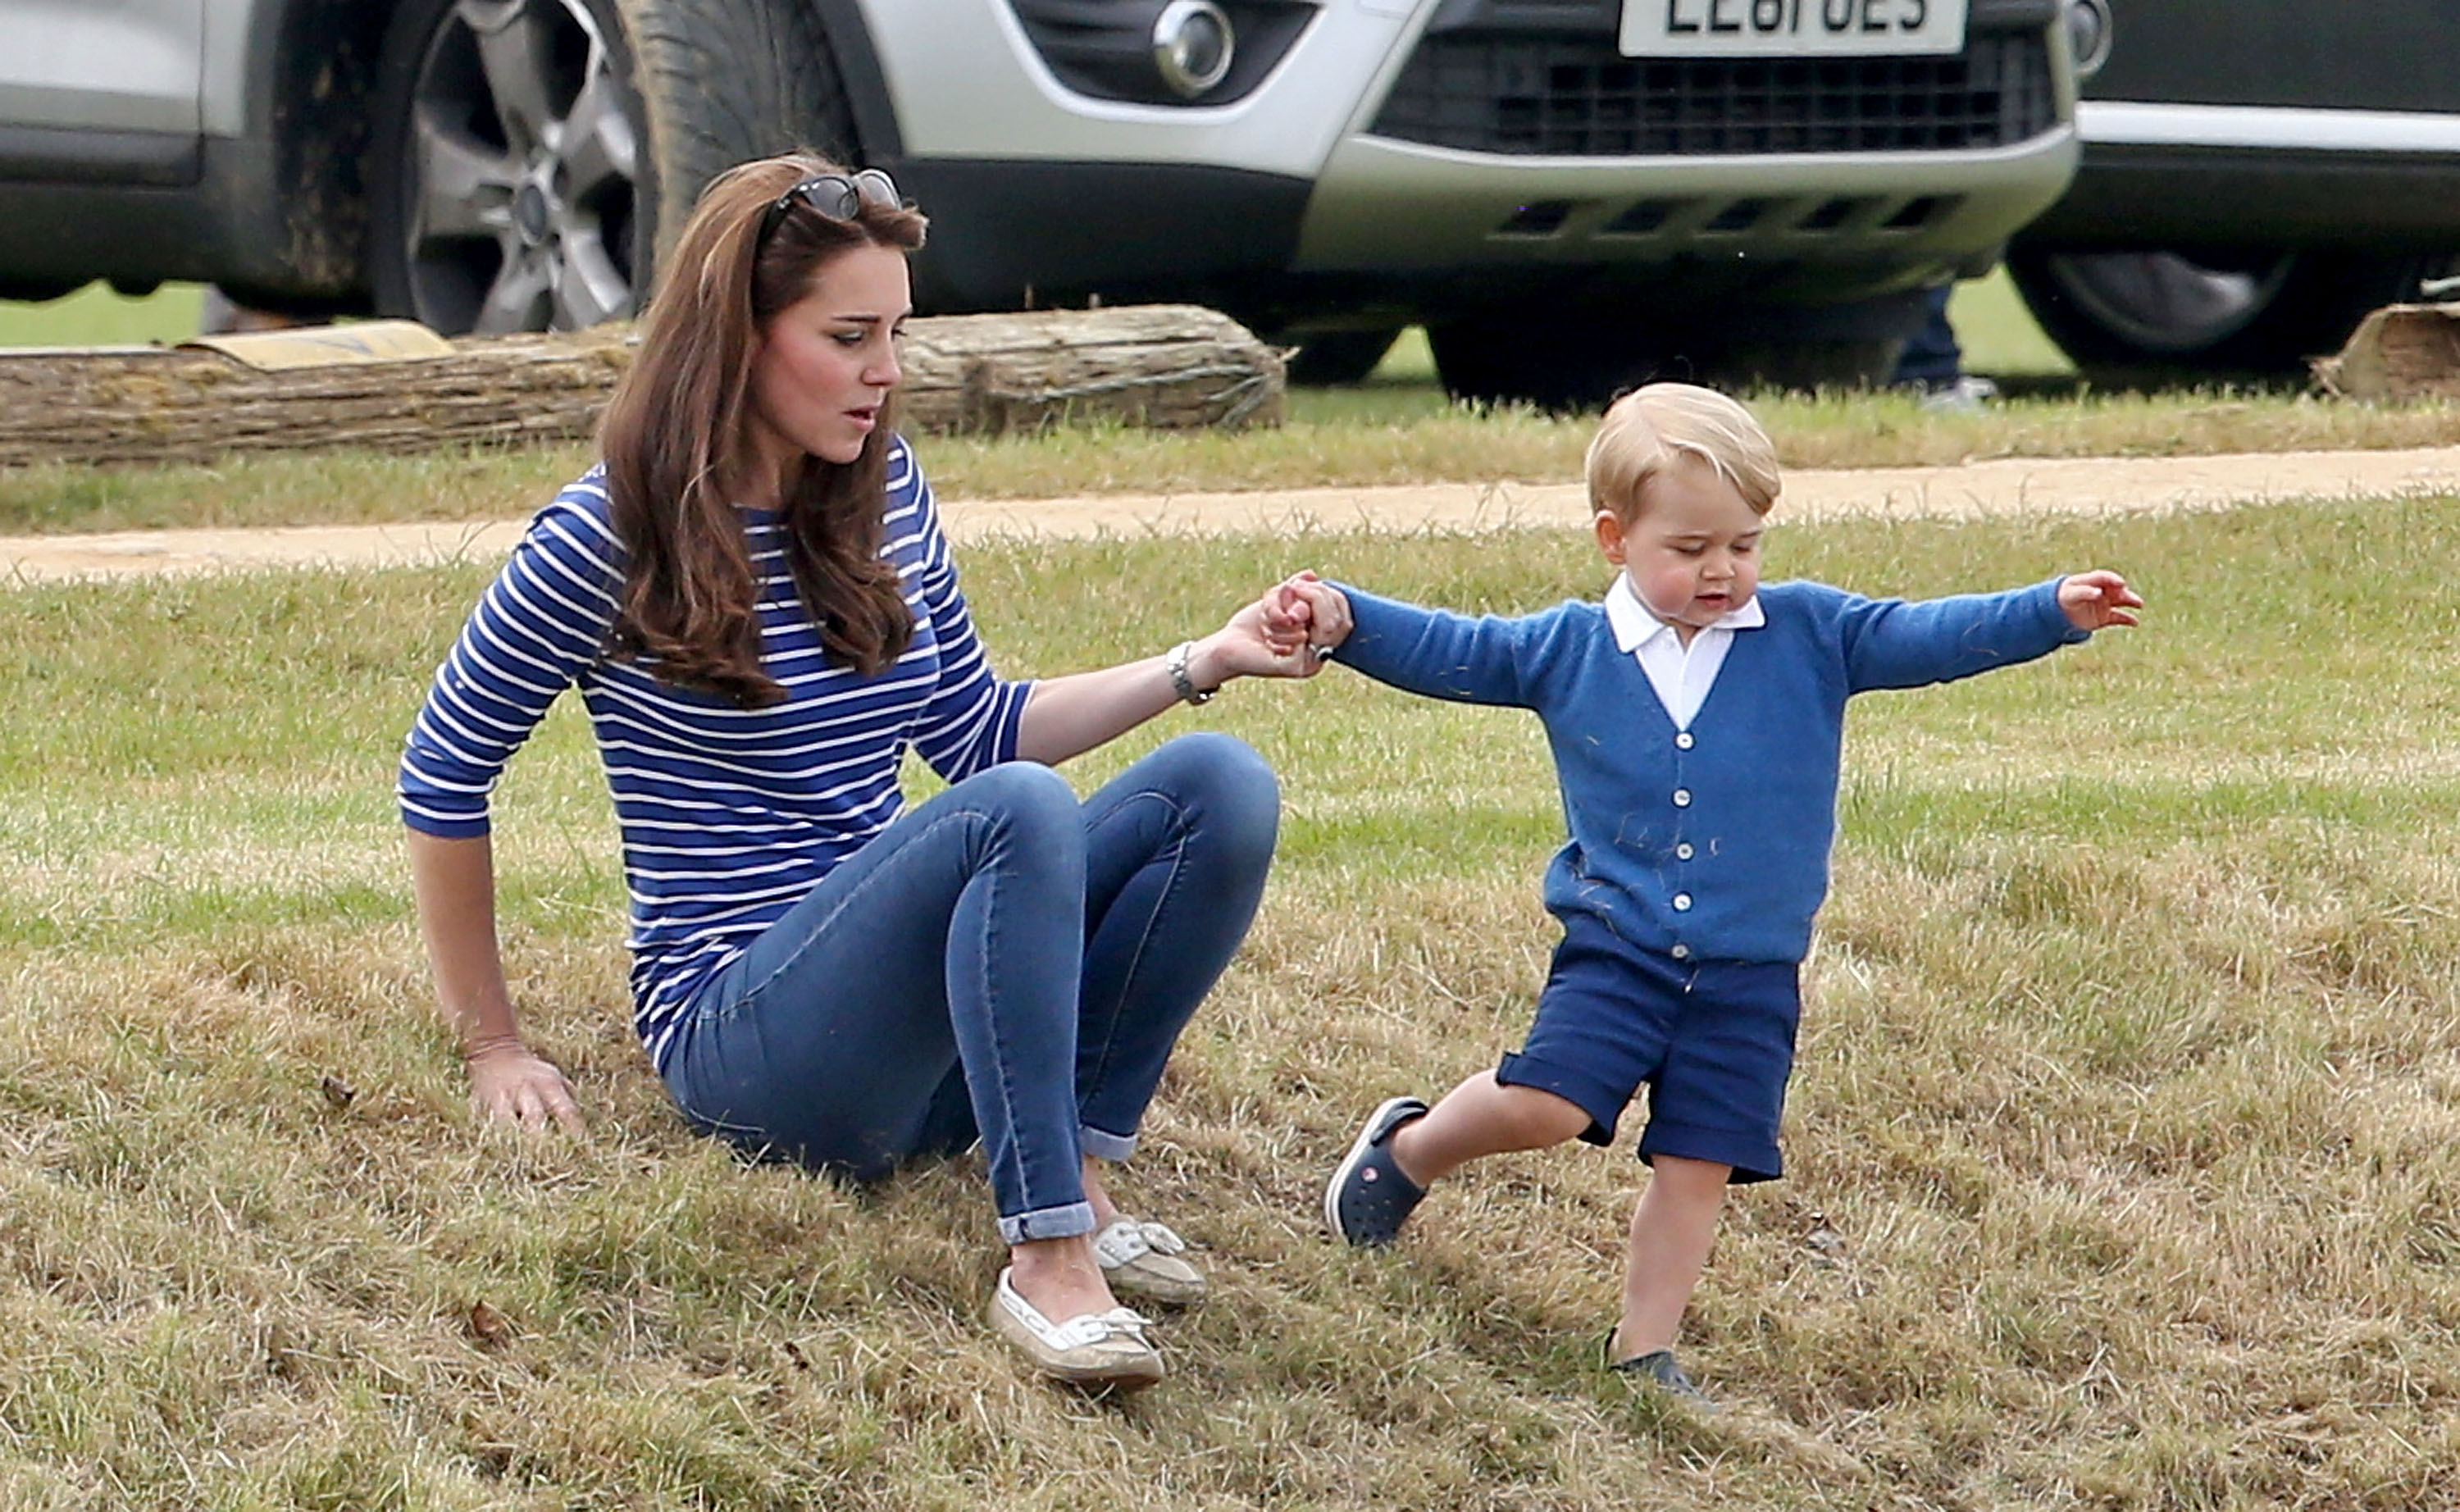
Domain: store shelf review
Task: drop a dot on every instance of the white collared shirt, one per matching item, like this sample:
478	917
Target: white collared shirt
1681	675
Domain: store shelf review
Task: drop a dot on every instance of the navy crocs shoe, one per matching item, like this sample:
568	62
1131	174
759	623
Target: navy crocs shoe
1368	1198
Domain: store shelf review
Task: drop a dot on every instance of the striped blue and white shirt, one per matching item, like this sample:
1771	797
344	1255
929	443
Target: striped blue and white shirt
728	816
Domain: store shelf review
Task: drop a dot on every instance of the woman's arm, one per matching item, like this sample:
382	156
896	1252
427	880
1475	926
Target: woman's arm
455	882
538	624
1069	716
1066	716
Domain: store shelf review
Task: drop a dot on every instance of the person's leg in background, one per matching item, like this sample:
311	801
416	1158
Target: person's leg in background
1934	363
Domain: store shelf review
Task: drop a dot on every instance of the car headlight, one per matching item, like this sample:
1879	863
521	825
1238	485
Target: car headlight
1163	51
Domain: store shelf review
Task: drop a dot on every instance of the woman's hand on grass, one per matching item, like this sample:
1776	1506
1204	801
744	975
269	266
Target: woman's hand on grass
2098	600
511	1082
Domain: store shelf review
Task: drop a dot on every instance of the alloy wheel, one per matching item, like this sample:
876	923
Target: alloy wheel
521	164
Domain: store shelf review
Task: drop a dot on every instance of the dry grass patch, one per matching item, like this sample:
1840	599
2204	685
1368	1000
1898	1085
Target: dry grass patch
2122	1146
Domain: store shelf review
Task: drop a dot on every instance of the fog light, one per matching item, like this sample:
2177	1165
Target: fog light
2089	35
1191	46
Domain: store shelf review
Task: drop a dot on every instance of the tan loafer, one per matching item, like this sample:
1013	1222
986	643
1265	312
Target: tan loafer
1100	1350
1141	1260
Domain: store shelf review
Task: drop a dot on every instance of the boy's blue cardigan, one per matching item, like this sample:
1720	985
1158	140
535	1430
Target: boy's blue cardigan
1709	843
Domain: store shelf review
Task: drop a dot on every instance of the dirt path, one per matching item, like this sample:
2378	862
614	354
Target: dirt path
2093	485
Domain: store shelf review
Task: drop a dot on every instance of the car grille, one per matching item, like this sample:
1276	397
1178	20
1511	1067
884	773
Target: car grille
1580	97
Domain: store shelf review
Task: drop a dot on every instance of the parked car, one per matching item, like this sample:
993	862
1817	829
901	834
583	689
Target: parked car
2257	176
1564	191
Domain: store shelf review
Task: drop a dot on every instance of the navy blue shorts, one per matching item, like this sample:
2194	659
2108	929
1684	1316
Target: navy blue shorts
1712	1041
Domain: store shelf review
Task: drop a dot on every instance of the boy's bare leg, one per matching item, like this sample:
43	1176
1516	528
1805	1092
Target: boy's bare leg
1482	1117
1671	1229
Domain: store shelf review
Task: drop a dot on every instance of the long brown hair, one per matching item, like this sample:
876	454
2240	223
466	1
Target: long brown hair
676	439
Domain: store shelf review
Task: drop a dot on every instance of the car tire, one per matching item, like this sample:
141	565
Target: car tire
530	158
2263	315
1337	358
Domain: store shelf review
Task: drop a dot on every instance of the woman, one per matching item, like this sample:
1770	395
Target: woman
754	594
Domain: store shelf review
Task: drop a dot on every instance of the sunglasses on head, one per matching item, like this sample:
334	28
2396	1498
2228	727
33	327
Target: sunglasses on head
837	196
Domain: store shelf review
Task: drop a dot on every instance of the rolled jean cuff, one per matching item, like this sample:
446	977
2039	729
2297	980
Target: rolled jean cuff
1047	1222
1103	1146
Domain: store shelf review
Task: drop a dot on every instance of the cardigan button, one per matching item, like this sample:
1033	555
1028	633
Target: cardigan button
1683	798
1682	740
1682	852
1681	952
1682	902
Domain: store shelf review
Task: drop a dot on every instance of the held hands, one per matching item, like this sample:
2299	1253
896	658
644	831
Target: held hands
2098	600
1285	633
1303	613
512	1082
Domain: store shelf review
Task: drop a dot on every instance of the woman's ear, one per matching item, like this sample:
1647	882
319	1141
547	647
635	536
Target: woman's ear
1610	536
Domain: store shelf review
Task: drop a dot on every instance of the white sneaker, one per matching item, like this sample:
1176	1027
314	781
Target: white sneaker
1968	394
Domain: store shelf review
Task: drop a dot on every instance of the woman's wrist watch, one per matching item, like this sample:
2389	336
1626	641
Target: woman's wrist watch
1179	682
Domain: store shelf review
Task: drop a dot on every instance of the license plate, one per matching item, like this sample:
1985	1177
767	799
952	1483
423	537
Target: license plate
1790	28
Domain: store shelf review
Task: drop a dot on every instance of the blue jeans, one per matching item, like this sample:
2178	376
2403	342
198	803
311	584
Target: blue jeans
1932	359
1003	962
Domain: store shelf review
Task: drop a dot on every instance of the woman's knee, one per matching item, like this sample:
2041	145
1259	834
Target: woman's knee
1227	781
1026	803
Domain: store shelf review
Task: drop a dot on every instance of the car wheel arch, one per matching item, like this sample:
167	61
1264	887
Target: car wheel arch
294	172
865	80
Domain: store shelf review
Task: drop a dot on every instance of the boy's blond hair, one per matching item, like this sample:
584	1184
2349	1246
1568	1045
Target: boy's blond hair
1647	428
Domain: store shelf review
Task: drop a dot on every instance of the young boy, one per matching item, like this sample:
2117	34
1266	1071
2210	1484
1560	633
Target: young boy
1696	722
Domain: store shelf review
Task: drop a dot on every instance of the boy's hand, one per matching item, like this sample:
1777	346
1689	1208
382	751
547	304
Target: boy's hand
1316	610
1286	619
2098	599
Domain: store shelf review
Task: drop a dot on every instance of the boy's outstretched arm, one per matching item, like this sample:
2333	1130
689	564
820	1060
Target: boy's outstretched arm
1890	643
2098	599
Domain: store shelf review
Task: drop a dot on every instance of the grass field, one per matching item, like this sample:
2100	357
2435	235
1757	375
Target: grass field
2125	1150
96	316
